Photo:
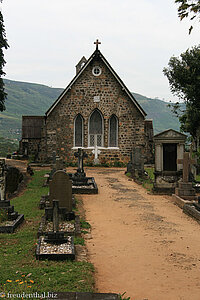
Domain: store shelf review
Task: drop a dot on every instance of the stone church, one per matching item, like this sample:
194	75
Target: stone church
95	109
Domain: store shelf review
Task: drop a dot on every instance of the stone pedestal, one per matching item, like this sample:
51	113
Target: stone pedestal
185	190
13	218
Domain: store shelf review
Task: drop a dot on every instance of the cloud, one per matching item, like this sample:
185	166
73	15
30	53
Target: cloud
47	38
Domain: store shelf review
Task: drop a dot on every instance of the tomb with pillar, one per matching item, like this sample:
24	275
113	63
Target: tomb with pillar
169	150
81	184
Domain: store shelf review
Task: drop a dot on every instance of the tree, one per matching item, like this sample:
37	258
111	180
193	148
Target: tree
183	74
3	44
188	8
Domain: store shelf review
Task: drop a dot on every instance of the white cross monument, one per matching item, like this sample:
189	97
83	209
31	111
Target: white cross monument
96	152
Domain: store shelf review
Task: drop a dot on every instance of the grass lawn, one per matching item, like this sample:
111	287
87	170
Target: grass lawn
148	183
20	271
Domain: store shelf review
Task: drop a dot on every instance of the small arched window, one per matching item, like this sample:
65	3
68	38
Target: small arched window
78	131
96	129
113	131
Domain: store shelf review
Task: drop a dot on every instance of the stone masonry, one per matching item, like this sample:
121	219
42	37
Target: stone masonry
58	134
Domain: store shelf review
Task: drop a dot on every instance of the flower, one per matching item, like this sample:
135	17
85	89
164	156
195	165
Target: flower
17	280
9	280
31	281
21	282
29	286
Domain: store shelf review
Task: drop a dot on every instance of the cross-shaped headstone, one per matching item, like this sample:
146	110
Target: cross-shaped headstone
186	162
80	155
97	43
96	152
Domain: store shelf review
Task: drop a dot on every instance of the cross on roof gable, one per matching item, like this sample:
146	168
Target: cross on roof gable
99	54
97	43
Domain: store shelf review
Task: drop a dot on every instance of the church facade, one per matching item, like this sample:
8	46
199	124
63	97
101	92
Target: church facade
95	110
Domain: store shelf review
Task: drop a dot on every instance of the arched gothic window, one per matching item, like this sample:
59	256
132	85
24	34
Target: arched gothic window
78	131
96	129
113	131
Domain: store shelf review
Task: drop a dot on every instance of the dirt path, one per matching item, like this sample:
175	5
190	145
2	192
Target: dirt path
141	244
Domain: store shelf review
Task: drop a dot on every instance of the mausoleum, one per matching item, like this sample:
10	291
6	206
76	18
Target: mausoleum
169	147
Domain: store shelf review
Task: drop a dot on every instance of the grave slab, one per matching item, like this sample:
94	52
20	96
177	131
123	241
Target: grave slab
12	225
86	296
54	243
55	251
69	228
180	201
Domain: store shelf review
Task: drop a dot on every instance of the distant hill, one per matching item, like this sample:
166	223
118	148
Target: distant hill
159	111
25	98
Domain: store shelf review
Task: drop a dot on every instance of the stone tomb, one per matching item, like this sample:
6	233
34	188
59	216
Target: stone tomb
185	188
9	219
54	241
169	146
81	184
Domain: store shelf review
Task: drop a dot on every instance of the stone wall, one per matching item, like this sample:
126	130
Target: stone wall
59	130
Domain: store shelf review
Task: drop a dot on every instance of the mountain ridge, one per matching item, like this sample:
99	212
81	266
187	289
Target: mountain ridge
24	98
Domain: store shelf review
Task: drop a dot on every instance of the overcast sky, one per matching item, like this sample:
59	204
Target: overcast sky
47	38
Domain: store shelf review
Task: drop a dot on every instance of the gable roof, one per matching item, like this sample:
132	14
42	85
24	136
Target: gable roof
97	53
170	134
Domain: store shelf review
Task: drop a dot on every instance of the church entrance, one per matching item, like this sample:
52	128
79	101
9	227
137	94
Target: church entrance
96	129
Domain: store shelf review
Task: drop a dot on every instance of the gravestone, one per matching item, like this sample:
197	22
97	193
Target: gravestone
60	188
169	146
80	183
96	152
54	244
13	219
137	162
80	154
53	170
3	171
55	236
185	189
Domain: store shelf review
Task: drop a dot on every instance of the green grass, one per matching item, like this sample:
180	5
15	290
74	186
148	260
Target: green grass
198	177
150	172
148	182
20	271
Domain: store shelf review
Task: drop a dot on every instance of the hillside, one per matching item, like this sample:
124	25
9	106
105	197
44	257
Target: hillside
25	98
159	111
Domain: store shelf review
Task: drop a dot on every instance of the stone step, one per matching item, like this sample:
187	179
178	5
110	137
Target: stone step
13	216
4	203
185	185
189	192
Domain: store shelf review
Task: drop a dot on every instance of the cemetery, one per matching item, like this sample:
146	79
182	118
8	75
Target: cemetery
140	239
59	227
